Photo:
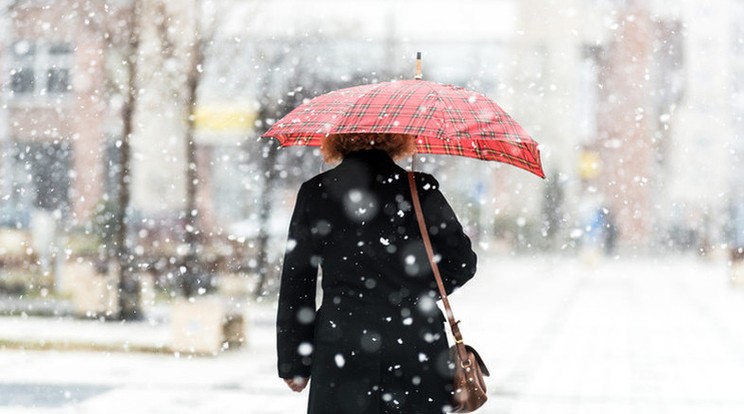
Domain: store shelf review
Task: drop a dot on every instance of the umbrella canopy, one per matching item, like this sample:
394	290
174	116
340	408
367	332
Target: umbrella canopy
445	119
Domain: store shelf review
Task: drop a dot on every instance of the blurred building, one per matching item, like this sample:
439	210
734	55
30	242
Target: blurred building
638	105
736	189
58	118
703	124
66	81
552	91
640	86
635	104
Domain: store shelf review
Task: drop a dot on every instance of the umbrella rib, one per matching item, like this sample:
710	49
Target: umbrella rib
439	99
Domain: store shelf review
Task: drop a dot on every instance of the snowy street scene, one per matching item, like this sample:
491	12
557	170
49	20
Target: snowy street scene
559	335
333	207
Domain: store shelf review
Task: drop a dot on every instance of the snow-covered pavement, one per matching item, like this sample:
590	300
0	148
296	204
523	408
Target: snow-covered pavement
559	336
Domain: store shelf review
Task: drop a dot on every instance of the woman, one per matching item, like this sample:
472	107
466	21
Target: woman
377	342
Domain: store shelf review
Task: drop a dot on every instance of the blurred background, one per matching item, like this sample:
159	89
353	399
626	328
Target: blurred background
142	220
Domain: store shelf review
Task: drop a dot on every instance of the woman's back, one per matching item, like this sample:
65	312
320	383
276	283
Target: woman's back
377	341
366	232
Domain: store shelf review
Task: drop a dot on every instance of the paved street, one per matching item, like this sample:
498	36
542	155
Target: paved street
558	334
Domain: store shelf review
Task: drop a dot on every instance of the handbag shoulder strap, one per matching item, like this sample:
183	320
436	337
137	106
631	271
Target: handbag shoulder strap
435	269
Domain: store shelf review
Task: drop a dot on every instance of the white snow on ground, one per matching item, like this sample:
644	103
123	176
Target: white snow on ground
559	335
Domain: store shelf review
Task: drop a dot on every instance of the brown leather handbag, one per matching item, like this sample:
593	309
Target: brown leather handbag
470	388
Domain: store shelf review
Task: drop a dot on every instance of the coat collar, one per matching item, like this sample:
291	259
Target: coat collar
373	156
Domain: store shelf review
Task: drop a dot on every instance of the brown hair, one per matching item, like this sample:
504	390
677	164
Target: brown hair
335	147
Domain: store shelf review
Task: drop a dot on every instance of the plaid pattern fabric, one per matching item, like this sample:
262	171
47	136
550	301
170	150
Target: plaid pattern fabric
445	119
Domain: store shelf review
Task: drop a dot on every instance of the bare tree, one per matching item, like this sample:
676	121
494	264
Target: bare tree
283	92
273	106
124	36
195	279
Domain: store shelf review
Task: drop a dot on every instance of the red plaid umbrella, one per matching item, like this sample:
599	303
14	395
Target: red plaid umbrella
445	119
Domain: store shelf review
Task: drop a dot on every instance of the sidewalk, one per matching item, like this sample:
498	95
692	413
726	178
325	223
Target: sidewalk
629	336
49	323
154	334
68	333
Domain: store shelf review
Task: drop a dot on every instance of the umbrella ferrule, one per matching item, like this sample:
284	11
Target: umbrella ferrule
418	76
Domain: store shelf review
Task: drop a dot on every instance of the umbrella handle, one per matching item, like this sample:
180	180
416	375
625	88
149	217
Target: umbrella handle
419	76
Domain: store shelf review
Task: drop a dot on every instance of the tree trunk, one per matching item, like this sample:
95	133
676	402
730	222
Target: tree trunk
195	280
129	287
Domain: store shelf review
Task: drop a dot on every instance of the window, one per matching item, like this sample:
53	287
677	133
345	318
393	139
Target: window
112	166
58	72
22	77
50	172
40	175
589	78
39	69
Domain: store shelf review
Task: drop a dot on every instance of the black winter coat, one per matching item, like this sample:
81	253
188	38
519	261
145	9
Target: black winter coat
377	342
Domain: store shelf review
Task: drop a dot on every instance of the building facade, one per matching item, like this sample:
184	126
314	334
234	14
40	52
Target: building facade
58	116
643	129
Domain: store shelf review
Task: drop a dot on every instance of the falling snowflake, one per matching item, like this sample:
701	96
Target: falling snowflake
340	361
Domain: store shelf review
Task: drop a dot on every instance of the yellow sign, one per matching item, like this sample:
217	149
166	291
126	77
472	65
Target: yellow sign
224	118
589	165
